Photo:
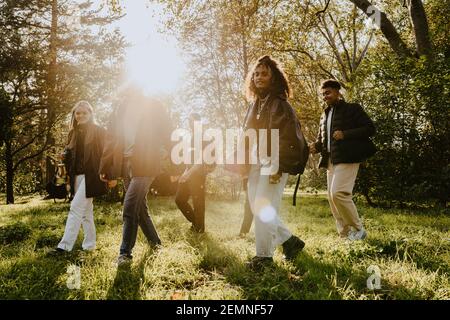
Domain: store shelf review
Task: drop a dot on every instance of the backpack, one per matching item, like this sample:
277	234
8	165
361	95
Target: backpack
58	187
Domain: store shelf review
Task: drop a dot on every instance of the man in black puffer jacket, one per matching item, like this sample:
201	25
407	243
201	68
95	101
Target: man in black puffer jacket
343	141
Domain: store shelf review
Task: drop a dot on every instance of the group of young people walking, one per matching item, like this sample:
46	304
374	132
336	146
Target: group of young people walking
138	138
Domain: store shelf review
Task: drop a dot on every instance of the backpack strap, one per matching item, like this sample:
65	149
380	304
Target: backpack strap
294	198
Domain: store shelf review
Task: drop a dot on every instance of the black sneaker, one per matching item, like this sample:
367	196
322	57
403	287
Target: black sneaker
57	252
292	246
259	263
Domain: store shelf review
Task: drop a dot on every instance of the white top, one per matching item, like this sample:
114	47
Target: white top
330	115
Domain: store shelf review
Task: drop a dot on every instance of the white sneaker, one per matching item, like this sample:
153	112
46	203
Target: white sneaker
357	235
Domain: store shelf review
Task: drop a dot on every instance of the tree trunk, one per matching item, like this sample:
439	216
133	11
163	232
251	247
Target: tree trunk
9	172
51	85
420	25
386	27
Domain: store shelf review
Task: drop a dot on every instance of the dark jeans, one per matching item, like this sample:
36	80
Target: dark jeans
194	187
135	212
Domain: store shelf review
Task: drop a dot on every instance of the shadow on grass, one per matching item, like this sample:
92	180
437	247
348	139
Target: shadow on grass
128	280
37	278
426	257
309	279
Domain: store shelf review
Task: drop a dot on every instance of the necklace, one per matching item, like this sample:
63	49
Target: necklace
261	105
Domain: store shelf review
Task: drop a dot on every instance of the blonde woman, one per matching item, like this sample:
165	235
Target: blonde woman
82	158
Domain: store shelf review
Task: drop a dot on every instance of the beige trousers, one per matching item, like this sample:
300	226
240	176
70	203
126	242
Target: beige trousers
340	181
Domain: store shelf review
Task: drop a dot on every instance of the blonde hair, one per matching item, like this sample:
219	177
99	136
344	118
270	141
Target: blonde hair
81	103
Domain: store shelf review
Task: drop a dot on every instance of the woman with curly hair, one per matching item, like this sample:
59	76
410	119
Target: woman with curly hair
268	88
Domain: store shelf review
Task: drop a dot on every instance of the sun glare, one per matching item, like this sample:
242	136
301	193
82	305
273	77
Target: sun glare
154	66
152	61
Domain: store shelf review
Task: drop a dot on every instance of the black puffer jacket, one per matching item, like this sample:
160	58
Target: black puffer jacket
357	128
293	149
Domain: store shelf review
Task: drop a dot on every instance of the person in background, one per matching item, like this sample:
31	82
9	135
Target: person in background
192	184
248	215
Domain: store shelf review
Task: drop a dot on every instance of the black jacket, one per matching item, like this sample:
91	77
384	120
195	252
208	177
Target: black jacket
293	149
357	128
93	149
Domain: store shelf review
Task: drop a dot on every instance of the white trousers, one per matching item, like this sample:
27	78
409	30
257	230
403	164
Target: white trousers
265	200
81	213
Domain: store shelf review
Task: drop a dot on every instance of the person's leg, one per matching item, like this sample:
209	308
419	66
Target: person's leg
136	190
248	216
269	229
197	188
341	193
145	222
78	207
181	200
341	226
89	226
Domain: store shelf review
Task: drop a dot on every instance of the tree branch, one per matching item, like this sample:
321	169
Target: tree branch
386	27
324	9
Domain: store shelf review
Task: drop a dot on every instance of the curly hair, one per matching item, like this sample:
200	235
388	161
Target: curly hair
279	84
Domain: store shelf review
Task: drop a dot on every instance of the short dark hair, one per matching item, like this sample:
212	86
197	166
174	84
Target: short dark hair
331	83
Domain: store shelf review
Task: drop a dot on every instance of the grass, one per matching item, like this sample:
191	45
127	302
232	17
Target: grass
411	250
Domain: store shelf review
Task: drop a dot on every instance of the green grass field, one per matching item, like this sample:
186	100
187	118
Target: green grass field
410	248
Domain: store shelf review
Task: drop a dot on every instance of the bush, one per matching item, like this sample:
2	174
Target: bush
13	233
408	101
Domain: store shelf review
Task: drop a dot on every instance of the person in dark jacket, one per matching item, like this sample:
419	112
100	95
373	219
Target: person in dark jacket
138	137
192	183
268	87
82	158
343	142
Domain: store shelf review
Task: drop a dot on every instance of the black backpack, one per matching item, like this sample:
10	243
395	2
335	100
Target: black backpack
58	186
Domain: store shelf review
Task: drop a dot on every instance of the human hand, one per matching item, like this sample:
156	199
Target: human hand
274	178
112	183
338	135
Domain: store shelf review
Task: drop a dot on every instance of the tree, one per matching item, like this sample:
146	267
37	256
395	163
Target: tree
418	20
36	95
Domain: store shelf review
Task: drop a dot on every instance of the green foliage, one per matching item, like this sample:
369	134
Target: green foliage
42	76
408	100
14	233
